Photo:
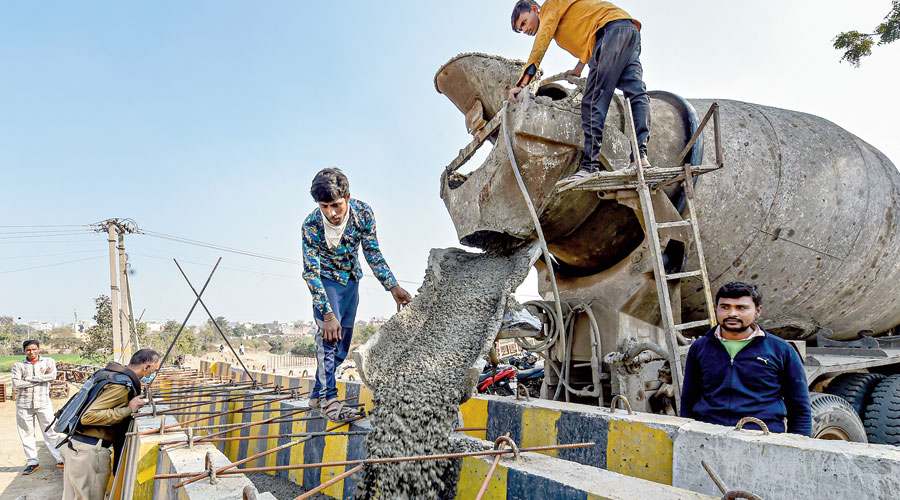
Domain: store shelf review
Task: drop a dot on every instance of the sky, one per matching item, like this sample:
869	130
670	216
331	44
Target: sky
208	119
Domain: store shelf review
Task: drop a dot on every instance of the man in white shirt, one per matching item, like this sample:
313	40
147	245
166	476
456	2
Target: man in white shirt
31	378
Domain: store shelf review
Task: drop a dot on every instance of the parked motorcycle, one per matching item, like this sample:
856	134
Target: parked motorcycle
502	382
530	371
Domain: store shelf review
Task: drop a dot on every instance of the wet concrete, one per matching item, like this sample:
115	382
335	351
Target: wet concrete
417	364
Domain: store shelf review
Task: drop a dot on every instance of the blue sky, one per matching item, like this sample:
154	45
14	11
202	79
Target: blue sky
207	120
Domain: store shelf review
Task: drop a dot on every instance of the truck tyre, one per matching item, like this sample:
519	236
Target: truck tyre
834	418
855	388
882	414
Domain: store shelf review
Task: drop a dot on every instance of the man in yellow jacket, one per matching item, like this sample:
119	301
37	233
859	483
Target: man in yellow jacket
605	38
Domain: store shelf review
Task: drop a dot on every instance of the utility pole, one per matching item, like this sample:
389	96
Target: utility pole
119	291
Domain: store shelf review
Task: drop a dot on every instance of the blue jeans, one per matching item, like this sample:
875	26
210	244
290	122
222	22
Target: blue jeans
615	63
344	300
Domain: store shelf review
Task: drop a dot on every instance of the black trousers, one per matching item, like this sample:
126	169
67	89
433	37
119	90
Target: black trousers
615	63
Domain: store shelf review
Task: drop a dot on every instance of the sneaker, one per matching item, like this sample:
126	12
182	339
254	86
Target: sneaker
580	175
59	465
30	469
645	163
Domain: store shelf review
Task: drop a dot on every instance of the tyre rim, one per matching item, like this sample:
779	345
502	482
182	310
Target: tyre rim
834	434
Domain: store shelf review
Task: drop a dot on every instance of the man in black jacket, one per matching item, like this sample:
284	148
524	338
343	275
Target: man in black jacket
738	370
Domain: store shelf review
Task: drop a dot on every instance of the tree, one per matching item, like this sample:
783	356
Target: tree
276	345
857	45
98	347
240	331
187	343
304	347
361	335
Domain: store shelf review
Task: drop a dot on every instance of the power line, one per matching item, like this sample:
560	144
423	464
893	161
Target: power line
51	265
238	251
57	225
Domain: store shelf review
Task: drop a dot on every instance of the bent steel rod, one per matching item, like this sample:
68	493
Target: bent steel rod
239	427
156	431
331	481
290	435
256	456
383	460
279	419
215	323
273	410
490	472
184	323
184	406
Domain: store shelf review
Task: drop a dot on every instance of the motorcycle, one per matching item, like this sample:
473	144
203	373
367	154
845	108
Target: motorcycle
530	372
502	382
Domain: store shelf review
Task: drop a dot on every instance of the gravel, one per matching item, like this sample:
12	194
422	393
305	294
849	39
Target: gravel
417	364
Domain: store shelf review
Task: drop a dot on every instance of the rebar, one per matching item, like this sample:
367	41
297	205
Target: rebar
328	483
369	461
211	416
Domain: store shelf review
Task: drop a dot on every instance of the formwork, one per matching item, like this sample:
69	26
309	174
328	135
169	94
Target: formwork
207	428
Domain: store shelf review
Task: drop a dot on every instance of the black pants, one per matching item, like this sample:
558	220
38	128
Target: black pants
615	63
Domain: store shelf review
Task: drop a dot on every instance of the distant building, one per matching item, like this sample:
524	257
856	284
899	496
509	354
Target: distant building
377	321
154	326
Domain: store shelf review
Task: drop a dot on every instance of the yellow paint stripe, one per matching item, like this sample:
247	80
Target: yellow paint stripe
297	453
366	398
636	450
335	451
471	476
475	414
272	442
539	428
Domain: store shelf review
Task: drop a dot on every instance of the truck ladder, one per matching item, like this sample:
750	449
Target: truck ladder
655	178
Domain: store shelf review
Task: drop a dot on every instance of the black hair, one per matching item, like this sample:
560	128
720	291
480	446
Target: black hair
144	356
521	7
330	184
738	289
29	342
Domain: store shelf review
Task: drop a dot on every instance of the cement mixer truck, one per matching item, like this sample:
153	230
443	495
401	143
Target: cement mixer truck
797	205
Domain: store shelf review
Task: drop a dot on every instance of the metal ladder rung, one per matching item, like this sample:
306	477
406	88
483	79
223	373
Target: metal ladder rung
692	324
681	223
687	274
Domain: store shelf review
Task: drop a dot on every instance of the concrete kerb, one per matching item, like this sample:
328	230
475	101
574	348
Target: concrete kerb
539	476
783	466
183	460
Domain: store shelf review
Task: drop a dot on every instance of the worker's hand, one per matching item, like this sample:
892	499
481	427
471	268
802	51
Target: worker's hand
332	331
136	403
576	71
513	92
47	370
401	296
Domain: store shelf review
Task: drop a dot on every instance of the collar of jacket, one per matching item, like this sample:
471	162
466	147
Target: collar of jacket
124	370
711	333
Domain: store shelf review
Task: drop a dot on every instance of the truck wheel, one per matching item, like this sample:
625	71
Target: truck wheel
834	418
854	387
882	414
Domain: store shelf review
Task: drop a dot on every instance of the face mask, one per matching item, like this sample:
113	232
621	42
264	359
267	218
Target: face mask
147	380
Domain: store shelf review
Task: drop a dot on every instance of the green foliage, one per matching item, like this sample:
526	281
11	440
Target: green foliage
188	342
857	45
240	331
98	347
6	362
276	345
304	347
362	334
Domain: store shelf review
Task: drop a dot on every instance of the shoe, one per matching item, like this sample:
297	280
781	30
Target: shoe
315	403
645	163
59	465
30	469
580	175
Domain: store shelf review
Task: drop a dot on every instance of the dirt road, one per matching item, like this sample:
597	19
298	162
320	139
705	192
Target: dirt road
46	483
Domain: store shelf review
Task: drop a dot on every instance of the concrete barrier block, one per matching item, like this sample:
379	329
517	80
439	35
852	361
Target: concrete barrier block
783	466
184	460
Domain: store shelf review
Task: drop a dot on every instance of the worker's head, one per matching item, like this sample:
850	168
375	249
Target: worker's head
525	17
144	363
737	305
32	349
331	190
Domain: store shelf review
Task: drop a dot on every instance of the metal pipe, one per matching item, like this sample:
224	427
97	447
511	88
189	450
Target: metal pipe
369	461
331	481
186	318
216	324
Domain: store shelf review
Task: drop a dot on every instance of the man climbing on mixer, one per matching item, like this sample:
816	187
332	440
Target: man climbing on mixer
605	38
332	235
